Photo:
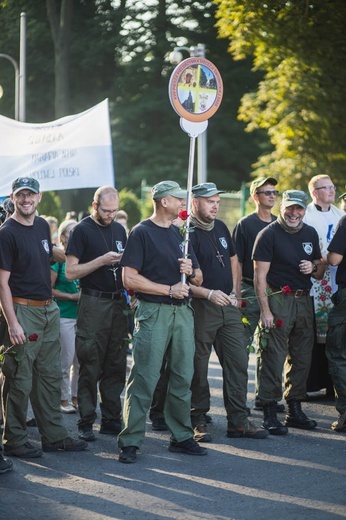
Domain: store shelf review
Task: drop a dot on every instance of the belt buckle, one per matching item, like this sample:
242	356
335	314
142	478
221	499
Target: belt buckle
298	293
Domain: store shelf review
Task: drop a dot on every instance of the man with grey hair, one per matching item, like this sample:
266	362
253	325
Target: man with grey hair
152	267
286	254
324	216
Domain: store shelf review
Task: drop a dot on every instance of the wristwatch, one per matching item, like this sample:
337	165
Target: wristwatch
314	269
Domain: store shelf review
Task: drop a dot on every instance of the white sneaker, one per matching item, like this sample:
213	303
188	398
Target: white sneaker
67	409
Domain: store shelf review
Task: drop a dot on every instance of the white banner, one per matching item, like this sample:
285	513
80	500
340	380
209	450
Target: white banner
69	153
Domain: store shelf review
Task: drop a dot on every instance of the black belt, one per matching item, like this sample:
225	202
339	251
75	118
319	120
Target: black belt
298	293
247	281
105	295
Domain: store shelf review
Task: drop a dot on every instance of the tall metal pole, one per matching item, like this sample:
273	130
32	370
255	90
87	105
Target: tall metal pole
16	87
22	67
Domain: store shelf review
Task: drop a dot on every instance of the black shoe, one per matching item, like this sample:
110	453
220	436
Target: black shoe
67	444
86	433
208	418
279	408
296	418
189	447
128	454
111	427
271	422
5	465
159	425
201	434
25	451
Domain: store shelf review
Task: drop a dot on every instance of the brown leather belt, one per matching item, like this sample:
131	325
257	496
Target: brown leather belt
296	294
31	303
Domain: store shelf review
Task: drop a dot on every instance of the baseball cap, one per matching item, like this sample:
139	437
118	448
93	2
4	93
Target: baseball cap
165	188
292	197
206	189
257	183
25	183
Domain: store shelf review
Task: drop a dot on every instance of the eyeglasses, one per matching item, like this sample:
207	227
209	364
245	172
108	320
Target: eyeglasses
23	196
329	188
267	193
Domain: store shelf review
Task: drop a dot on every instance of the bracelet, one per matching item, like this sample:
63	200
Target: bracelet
210	294
170	292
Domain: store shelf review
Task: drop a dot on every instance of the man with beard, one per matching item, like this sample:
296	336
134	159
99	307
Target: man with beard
218	320
93	254
286	255
152	266
31	366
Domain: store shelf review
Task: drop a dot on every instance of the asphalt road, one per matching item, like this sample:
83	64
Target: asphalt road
300	476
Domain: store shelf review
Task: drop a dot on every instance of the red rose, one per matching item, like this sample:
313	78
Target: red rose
324	282
243	304
328	288
286	289
33	337
183	214
323	297
279	323
130	292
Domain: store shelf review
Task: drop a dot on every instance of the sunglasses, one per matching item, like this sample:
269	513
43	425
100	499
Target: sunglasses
267	193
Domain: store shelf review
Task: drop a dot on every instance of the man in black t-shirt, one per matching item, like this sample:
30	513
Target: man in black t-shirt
263	193
286	254
218	320
31	366
93	254
336	335
152	266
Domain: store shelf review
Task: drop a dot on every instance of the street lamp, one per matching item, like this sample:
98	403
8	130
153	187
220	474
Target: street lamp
16	88
176	57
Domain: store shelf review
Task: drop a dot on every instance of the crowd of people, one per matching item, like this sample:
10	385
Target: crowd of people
277	282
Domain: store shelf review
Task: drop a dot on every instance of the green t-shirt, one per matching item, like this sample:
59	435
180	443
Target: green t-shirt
68	308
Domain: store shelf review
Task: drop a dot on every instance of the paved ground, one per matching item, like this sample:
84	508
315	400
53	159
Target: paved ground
300	476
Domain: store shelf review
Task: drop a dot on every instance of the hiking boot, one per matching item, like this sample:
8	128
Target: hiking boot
249	430
5	465
201	434
128	454
340	424
111	427
67	444
296	418
279	408
271	422
25	451
189	447
159	425
86	433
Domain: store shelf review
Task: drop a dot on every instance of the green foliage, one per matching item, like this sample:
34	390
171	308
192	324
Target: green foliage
50	205
300	102
130	203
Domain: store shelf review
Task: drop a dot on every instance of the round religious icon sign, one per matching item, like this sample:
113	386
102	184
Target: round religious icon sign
195	89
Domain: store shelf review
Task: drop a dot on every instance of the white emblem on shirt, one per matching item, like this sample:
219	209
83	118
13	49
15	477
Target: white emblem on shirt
223	242
307	246
45	245
119	245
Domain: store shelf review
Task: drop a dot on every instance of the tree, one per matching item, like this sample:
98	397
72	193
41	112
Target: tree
300	102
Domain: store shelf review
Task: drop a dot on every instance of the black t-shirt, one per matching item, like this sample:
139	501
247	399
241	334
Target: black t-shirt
206	244
88	241
26	251
285	251
244	236
338	245
154	251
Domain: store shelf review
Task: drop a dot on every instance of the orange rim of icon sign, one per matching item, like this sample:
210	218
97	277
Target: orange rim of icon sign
195	89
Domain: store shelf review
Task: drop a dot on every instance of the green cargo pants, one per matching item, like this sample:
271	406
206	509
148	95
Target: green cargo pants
34	370
160	330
